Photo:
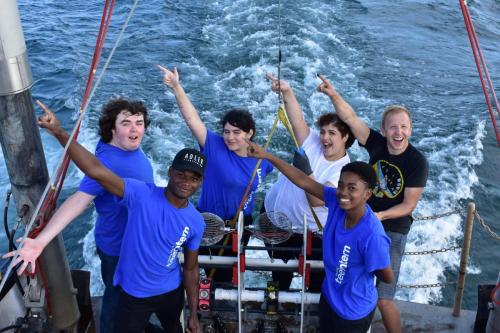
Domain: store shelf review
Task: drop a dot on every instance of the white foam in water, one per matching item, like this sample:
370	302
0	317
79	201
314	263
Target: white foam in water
239	44
457	178
92	261
309	55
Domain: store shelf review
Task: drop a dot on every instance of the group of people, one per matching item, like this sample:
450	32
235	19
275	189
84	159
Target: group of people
365	208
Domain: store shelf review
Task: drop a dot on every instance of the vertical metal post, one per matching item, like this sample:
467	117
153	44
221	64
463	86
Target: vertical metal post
462	271
25	160
241	278
303	291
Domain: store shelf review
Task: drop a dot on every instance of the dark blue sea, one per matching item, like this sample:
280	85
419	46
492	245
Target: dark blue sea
376	52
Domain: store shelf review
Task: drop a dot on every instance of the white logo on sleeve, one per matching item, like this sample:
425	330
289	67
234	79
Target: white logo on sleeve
250	196
177	247
343	263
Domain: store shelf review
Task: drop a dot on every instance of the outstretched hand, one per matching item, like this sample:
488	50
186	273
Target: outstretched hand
28	255
170	78
284	86
48	120
325	87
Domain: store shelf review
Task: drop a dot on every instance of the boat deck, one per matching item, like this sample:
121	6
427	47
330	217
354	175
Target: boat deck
415	318
429	318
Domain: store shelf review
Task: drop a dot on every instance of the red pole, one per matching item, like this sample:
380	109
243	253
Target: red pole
480	62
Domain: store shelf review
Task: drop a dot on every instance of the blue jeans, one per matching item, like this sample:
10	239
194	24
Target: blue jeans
111	293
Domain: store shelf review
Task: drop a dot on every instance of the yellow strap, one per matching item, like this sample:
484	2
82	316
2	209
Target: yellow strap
286	122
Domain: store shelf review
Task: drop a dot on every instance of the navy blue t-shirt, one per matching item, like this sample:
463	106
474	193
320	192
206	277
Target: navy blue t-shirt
111	217
156	232
395	173
226	178
351	256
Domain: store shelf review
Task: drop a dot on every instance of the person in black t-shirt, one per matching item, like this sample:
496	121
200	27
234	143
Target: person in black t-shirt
402	173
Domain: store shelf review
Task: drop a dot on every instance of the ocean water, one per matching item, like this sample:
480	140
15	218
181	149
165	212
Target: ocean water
376	52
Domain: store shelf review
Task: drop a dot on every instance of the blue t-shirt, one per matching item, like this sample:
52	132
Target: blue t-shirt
226	178
156	232
111	217
351	257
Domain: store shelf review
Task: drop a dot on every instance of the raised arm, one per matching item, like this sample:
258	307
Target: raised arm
295	175
32	248
188	111
293	109
85	161
191	273
345	111
405	208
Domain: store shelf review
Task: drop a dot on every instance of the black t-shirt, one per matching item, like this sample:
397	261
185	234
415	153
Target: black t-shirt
394	173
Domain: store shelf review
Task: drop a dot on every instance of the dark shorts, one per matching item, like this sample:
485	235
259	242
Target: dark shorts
397	249
331	322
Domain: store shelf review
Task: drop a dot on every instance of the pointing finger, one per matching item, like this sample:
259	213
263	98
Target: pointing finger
163	69
323	78
43	106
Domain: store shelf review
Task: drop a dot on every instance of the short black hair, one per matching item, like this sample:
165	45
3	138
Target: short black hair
364	171
333	118
239	118
112	109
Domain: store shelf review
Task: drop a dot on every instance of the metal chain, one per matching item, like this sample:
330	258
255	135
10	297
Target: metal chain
431	285
486	227
434	217
416	253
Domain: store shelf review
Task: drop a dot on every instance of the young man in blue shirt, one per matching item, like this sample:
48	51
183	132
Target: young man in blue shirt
122	125
161	223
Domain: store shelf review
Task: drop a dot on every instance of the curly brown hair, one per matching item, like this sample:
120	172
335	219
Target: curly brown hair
112	109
